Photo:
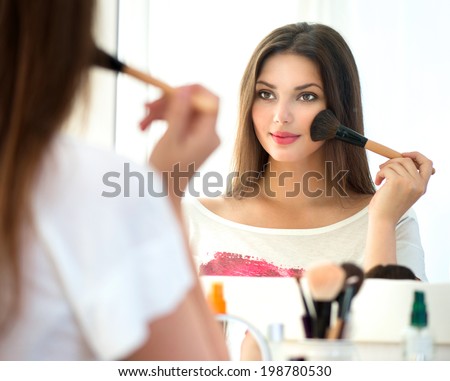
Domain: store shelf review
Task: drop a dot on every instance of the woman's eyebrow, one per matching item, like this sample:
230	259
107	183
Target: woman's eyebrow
306	85
300	87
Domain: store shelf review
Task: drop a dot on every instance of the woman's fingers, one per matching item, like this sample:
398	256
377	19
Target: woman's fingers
398	167
191	131
424	165
155	111
179	112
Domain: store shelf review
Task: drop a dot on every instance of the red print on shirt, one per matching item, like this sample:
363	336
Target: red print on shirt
232	264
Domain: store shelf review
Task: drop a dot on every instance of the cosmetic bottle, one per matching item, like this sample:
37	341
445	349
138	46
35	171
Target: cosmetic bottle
418	342
218	305
216	299
275	338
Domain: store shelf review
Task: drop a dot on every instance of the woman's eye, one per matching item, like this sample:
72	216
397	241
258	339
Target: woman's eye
265	94
307	97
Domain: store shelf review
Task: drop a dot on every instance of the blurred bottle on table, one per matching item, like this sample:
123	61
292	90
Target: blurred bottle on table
418	341
216	298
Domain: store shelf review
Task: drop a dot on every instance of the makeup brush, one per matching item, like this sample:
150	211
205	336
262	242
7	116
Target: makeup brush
325	282
308	304
106	61
352	270
353	282
325	126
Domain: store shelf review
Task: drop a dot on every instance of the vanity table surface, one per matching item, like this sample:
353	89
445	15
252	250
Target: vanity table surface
380	313
360	351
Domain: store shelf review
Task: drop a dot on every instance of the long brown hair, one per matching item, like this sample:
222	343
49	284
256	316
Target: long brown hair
45	48
329	51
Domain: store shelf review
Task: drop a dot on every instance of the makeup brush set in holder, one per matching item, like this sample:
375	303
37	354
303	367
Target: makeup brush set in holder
327	291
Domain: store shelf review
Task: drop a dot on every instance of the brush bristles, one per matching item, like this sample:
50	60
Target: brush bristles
106	61
353	271
325	281
324	126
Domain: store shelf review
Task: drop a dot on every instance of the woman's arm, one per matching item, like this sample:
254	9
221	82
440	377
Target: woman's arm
190	332
405	181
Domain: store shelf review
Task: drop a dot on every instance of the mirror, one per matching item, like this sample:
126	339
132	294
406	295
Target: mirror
403	70
244	341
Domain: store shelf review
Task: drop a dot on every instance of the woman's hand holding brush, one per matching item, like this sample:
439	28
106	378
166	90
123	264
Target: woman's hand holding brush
190	137
403	185
405	178
191	134
191	115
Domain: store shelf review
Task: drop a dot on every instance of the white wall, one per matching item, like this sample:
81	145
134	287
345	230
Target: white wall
403	56
400	47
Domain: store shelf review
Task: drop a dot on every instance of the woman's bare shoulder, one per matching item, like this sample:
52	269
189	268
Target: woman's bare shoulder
216	205
229	208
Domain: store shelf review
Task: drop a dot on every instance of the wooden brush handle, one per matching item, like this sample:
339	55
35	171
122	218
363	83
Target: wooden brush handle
200	102
385	151
382	150
336	331
148	79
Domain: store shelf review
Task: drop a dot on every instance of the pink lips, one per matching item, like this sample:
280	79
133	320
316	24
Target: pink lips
282	137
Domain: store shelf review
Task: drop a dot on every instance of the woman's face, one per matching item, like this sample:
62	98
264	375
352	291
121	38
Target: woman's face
289	94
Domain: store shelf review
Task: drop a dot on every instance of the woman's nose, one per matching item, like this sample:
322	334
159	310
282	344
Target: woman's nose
282	114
